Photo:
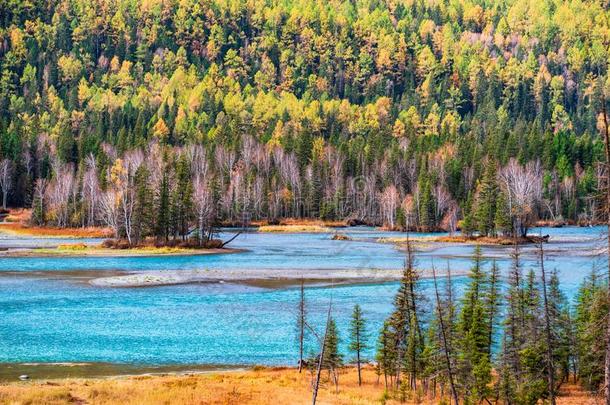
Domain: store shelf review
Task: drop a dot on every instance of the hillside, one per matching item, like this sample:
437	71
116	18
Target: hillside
408	114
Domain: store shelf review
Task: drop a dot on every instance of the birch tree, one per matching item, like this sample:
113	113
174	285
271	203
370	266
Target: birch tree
6	180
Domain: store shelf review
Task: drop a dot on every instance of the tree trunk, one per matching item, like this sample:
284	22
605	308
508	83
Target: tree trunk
547	324
317	383
445	345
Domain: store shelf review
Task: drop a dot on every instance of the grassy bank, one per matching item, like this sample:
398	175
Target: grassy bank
474	240
83	250
20	229
256	386
293	228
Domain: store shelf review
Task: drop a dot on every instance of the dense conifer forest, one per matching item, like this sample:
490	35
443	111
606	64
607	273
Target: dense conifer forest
503	339
157	117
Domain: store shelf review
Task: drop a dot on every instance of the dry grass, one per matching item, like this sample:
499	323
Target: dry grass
483	240
82	250
293	228
17	223
257	386
300	221
50	232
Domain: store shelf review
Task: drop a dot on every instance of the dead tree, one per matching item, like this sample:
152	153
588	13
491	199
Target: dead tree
301	323
547	327
321	358
446	348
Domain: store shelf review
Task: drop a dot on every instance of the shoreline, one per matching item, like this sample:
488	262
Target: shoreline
256	277
249	385
10	372
94	251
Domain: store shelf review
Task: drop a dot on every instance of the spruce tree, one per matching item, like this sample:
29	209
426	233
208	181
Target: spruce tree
358	338
590	311
143	210
182	200
163	209
473	328
502	222
485	207
386	353
332	359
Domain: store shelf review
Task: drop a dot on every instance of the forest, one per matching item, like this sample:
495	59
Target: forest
167	118
158	117
513	339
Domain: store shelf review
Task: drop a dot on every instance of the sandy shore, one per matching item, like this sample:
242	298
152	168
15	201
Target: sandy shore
260	277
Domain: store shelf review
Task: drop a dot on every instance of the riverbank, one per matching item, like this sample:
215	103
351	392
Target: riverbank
467	240
23	230
83	250
258	385
256	277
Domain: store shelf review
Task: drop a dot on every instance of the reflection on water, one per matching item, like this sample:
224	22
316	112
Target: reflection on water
50	319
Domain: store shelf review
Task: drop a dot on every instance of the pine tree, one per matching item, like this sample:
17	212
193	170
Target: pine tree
405	323
493	303
550	366
468	225
386	353
473	325
502	222
143	210
485	206
163	207
182	199
332	359
358	338
590	312
561	326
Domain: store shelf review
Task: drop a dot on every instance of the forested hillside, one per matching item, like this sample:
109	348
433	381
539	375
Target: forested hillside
156	116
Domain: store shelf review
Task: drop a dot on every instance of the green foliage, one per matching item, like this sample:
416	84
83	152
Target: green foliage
333	359
440	92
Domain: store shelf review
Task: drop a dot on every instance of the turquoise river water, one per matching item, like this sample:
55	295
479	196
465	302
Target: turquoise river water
50	313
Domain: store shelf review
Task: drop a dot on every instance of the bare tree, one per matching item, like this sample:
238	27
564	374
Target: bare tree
388	202
523	186
321	356
38	206
122	177
301	323
110	210
204	206
91	190
59	191
6	179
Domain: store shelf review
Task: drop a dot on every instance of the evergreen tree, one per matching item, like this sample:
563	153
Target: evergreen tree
358	338
485	206
502	223
182	200
474	365
163	209
590	312
332	359
386	353
143	210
